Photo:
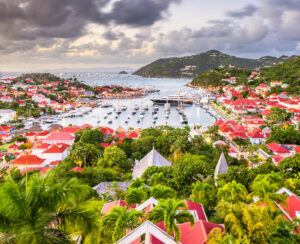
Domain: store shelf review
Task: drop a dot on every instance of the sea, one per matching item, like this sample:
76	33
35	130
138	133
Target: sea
196	115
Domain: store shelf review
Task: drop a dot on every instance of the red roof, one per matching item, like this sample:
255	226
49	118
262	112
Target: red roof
293	206
197	233
43	133
59	136
277	158
77	169
106	130
198	208
238	134
43	170
133	135
277	148
108	206
30	134
71	129
43	146
55	162
297	149
28	160
256	133
219	122
14	146
55	149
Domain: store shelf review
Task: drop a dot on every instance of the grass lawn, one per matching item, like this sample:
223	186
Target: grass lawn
5	146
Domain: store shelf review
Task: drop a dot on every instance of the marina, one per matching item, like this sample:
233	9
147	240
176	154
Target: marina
175	104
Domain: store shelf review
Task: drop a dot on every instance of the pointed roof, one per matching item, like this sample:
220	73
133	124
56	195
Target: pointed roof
153	158
222	166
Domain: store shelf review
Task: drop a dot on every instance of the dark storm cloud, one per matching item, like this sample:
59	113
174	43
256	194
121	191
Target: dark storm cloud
246	11
113	36
139	12
30	19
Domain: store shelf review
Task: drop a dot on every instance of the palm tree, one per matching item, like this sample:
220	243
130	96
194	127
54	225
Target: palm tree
205	194
171	211
264	187
43	210
233	192
119	220
157	178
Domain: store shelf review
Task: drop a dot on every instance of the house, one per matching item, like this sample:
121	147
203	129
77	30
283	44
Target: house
276	83
153	158
56	152
26	161
278	149
256	136
5	137
59	137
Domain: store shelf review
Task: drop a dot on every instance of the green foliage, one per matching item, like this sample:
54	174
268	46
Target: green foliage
44	210
162	192
205	194
89	136
115	158
135	195
168	211
233	192
118	221
287	135
290	166
170	67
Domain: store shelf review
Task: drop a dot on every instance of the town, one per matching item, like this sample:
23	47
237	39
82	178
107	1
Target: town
249	156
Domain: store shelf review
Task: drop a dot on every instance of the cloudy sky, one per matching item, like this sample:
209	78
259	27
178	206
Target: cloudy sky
56	34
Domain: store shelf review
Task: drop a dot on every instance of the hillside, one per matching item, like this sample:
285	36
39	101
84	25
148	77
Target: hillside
214	77
191	66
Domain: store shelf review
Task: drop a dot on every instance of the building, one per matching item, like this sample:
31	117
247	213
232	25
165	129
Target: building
153	158
222	166
59	137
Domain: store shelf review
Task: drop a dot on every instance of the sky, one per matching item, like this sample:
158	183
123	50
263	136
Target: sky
79	34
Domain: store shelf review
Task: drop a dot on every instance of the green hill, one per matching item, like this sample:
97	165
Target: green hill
191	66
214	77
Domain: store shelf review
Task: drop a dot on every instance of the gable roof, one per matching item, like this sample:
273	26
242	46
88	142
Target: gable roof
277	148
198	208
152	229
27	160
56	149
153	158
59	136
222	166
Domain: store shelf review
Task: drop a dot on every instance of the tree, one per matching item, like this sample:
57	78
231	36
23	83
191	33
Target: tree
233	192
277	115
186	168
90	136
85	153
135	195
217	236
171	211
265	186
205	194
44	210
246	223
157	179
115	158
288	135
162	192
119	220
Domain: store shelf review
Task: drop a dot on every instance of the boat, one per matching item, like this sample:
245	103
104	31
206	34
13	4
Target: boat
106	105
138	121
136	107
128	118
116	117
110	121
174	100
155	117
167	106
109	113
146	108
105	117
123	108
166	116
118	111
155	108
126	122
141	116
133	112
